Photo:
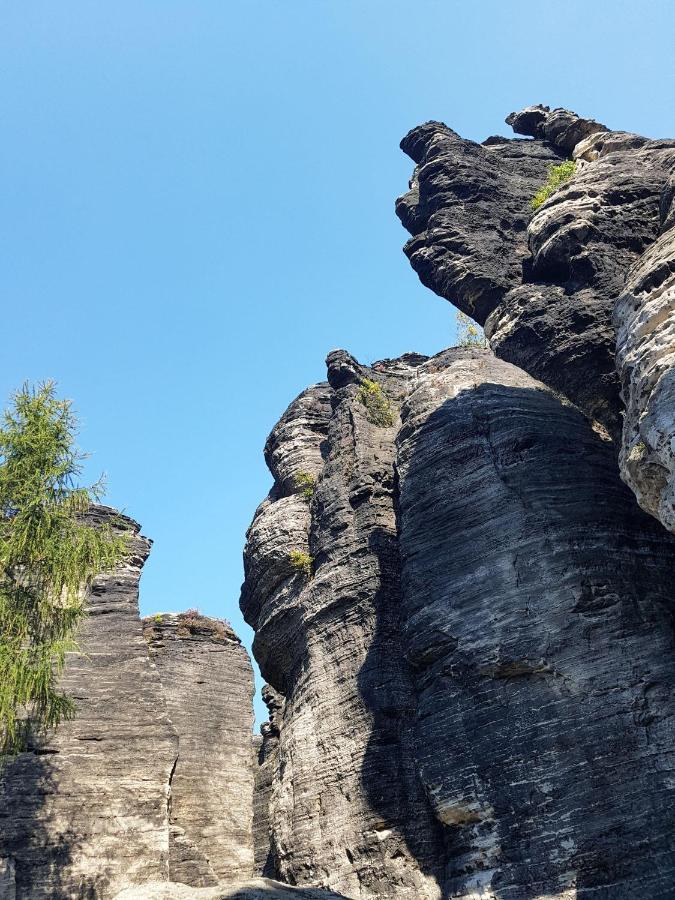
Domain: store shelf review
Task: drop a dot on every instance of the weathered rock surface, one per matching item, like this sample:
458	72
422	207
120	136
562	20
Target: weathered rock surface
645	321
478	673
545	284
538	603
265	765
257	889
208	684
86	814
347	810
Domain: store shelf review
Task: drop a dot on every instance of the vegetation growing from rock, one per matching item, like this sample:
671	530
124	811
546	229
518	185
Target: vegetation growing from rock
301	562
48	557
378	408
469	334
305	484
557	175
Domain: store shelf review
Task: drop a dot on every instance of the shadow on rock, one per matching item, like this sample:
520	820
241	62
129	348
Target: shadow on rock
40	849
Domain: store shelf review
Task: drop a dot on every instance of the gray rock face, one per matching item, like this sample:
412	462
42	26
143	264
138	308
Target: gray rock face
544	283
538	606
347	810
257	889
645	321
86	814
208	685
478	669
266	761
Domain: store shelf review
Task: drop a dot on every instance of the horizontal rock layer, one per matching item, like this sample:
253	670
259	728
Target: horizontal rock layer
477	663
257	889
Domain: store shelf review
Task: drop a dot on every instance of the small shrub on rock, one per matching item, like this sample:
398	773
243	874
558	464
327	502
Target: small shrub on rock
378	408
301	562
469	334
305	484
557	175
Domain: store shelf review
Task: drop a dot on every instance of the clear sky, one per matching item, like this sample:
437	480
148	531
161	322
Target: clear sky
197	204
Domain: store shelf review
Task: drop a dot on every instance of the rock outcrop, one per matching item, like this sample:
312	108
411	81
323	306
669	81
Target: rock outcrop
152	781
563	290
208	684
346	810
86	813
257	889
266	752
477	659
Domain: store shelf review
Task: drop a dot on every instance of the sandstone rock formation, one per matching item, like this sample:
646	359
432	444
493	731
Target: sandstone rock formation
477	669
208	684
86	813
152	781
562	290
266	751
346	809
256	889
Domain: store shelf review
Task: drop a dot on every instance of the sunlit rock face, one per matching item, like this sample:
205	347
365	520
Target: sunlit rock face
478	668
569	292
87	813
346	809
255	889
645	322
152	781
207	680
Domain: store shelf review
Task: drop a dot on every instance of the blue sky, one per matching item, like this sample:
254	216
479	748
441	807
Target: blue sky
197	204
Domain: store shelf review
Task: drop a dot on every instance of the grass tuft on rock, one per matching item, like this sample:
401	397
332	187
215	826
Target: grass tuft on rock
557	175
301	562
378	408
305	483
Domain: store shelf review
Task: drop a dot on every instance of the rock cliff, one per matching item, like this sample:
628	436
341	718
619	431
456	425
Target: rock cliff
465	620
86	813
152	781
483	630
208	685
579	293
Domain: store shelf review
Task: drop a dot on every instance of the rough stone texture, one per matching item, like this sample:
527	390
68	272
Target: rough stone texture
486	540
86	814
645	322
266	762
208	683
7	880
539	625
346	811
544	284
258	889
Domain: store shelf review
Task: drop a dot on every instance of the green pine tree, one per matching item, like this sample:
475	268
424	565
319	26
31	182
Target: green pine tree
48	557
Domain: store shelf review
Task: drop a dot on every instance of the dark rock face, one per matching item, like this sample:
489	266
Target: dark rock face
539	628
208	684
544	283
266	760
256	889
478	671
87	813
346	810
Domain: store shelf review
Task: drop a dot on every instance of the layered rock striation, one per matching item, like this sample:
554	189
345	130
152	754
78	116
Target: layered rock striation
151	783
346	810
207	680
565	289
86	812
477	666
